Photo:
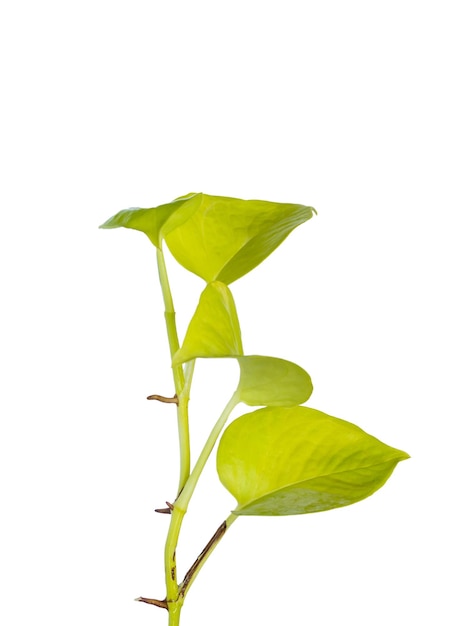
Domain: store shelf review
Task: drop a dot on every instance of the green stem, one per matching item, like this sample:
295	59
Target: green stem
183	426
169	314
175	595
184	498
182	386
182	382
182	502
174	614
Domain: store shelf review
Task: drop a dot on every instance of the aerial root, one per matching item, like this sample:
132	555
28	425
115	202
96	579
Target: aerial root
165	399
162	604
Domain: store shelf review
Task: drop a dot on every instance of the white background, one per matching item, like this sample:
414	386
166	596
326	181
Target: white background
358	108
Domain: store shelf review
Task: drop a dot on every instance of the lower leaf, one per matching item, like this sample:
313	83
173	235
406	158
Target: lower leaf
289	461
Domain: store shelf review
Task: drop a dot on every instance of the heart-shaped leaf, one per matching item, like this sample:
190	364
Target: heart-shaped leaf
224	238
214	329
268	381
288	461
216	237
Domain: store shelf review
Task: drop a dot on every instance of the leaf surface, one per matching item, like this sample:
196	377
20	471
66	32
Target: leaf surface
268	381
157	221
224	238
215	237
289	461
214	329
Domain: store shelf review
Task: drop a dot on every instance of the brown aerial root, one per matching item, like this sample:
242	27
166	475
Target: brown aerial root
162	604
165	399
170	508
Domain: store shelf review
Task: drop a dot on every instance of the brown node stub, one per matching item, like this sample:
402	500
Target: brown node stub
165	399
170	508
162	604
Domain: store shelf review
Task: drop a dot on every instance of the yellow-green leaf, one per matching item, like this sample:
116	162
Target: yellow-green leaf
288	461
216	237
214	329
224	238
268	381
157	221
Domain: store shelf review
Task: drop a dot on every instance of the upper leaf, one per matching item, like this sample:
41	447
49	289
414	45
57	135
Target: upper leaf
224	238
268	381
287	461
216	237
214	329
157	221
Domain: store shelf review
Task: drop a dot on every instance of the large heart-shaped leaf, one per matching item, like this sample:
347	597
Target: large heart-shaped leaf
288	461
157	221
268	381
214	329
216	237
224	238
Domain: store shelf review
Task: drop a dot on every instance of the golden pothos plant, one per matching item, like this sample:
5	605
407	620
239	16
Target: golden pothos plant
284	458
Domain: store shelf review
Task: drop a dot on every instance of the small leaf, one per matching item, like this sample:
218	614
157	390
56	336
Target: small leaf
268	381
288	461
224	238
214	329
157	221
